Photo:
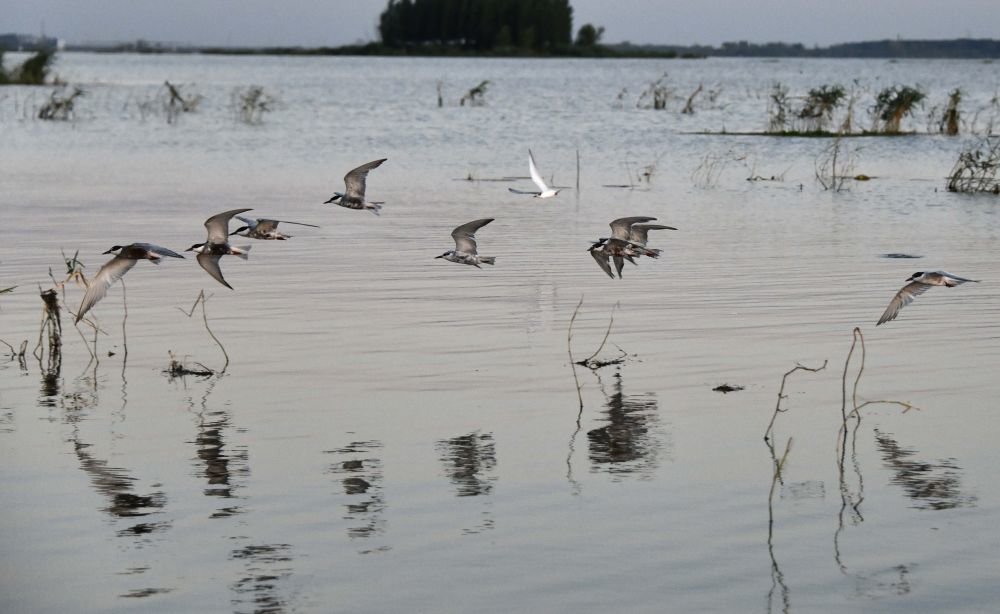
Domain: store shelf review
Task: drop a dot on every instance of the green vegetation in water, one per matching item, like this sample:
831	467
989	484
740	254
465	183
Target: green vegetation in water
893	104
33	71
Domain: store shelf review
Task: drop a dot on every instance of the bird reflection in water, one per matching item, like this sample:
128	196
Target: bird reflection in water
361	478
630	441
265	566
932	485
217	464
470	462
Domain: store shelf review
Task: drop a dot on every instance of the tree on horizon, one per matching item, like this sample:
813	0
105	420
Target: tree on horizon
480	25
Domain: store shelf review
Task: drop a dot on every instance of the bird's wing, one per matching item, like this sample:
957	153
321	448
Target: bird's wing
622	227
532	193
536	177
159	251
97	287
602	261
249	221
218	225
956	278
903	298
210	262
264	225
619	265
355	179
465	235
296	223
639	233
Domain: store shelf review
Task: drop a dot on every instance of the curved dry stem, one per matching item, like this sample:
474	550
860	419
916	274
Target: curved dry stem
569	349
606	333
781	395
204	317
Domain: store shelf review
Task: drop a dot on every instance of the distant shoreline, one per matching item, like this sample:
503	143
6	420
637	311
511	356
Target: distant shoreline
971	49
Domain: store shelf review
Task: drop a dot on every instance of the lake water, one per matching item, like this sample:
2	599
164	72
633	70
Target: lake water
395	433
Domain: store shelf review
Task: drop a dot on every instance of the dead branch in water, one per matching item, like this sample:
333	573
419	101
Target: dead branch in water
856	336
569	349
177	368
19	354
782	396
204	317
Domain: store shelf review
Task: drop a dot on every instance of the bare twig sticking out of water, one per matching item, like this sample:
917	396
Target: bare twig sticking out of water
19	354
857	336
203	299
569	349
782	396
709	171
476	96
689	105
835	165
589	362
578	171
124	318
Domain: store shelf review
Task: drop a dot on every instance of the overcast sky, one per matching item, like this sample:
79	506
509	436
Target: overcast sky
338	22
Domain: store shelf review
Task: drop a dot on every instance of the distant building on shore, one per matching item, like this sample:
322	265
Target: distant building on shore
29	42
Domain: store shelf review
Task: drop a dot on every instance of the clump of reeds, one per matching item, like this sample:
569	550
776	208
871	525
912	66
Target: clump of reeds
819	106
778	108
33	71
950	119
893	104
476	97
251	103
59	107
976	168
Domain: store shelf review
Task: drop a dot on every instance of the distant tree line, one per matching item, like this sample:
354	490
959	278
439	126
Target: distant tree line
950	48
480	25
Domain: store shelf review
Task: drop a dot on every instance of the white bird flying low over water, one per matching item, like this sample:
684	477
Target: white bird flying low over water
465	251
920	282
218	245
627	242
544	191
264	229
115	269
354	182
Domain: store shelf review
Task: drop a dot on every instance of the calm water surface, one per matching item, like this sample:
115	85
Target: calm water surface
397	433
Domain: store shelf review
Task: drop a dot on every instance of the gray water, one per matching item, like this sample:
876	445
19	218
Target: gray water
398	433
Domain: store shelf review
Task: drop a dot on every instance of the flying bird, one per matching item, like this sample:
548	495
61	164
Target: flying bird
217	245
125	258
354	197
919	283
263	228
544	191
465	251
626	242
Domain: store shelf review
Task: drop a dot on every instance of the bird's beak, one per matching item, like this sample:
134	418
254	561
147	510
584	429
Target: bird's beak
436	257
110	251
332	198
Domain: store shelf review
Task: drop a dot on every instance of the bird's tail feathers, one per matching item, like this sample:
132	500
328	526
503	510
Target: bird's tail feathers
374	207
487	259
242	251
